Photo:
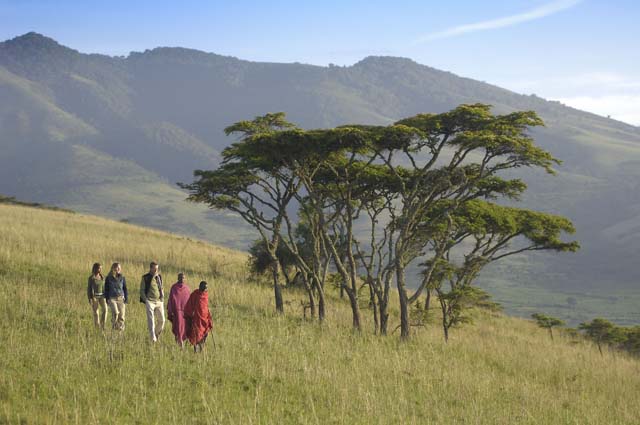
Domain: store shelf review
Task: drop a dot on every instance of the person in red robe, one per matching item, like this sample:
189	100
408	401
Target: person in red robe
198	317
178	298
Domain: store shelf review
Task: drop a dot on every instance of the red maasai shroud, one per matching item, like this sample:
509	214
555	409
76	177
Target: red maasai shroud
178	298
198	316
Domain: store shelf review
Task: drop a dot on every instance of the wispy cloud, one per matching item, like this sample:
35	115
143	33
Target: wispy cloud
506	21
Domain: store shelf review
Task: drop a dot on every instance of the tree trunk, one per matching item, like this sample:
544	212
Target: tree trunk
321	311
276	288
443	307
405	327
272	248
355	309
427	301
309	288
287	281
342	261
278	295
384	318
383	303
374	307
312	305
551	334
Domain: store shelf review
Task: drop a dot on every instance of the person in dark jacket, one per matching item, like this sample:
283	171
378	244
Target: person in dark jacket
116	295
95	293
152	295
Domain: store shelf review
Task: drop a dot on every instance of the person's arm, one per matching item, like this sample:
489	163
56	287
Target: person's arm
89	289
143	295
170	308
124	289
188	308
107	287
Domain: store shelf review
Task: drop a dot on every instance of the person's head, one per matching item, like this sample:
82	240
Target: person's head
153	267
116	268
96	269
180	277
203	286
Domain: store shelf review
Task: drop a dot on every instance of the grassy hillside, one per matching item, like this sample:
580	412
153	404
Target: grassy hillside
54	368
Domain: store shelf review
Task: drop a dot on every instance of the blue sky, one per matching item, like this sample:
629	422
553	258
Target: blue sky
582	52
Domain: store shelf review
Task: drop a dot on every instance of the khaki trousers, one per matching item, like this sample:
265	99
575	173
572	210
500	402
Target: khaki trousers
99	307
155	310
117	307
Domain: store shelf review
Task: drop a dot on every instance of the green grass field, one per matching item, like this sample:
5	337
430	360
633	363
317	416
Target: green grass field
55	368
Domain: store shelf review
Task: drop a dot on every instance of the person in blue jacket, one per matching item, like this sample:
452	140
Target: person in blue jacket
116	295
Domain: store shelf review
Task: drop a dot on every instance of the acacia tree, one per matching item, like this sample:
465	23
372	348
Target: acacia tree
601	331
356	170
253	182
631	340
475	235
311	258
327	170
404	178
547	322
332	195
303	157
344	184
457	157
377	195
338	174
373	250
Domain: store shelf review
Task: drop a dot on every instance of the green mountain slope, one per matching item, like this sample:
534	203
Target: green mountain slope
161	114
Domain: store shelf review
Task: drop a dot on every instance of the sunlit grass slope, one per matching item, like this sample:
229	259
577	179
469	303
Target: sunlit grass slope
55	368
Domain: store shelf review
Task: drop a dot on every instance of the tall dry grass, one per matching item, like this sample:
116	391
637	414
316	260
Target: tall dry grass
55	368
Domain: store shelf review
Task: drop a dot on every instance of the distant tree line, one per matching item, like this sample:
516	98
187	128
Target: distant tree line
11	200
601	331
356	205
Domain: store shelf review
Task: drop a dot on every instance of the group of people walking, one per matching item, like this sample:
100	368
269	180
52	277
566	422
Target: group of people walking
187	311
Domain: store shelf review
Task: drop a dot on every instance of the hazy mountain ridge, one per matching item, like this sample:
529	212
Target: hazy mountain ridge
163	111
